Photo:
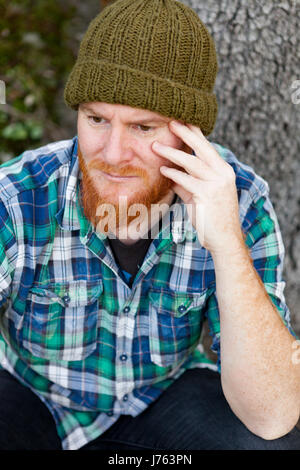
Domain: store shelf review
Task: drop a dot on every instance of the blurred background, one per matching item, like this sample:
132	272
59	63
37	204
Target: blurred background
259	60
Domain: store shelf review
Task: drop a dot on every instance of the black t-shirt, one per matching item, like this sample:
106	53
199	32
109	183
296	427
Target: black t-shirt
130	257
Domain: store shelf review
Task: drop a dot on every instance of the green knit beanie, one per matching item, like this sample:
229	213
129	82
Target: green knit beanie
150	54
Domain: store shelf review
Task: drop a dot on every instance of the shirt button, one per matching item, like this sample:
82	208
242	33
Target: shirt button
66	298
126	309
125	398
123	357
181	309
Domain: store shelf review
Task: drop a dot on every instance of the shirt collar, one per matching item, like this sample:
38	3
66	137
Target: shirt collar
181	227
67	216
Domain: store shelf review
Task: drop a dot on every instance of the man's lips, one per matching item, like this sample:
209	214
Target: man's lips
116	177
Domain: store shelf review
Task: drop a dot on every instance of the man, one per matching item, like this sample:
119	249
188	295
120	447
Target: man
118	244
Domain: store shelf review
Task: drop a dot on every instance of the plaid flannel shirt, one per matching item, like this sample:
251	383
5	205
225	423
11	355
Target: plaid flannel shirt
73	331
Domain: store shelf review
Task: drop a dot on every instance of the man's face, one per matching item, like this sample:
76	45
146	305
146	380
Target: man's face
116	156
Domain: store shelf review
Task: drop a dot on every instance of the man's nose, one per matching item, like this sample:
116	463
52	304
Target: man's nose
117	149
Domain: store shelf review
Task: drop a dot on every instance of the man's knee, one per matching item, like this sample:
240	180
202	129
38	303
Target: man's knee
25	422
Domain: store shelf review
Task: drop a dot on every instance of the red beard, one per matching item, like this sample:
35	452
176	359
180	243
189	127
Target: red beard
92	199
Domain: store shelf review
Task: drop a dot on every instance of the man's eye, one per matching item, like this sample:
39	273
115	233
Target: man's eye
99	120
95	119
145	128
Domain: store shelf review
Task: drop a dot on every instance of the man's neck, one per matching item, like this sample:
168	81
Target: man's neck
138	228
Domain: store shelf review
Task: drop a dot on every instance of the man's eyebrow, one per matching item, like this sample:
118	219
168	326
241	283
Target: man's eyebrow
149	119
86	107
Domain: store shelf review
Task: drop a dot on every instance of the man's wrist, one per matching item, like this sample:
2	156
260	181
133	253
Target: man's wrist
231	247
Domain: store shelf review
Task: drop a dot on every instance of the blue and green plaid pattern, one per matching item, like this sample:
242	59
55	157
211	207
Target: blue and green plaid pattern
73	331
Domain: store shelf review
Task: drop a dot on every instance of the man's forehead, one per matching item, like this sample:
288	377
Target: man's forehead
126	111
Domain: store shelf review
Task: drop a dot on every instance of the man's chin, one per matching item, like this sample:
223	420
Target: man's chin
113	190
121	198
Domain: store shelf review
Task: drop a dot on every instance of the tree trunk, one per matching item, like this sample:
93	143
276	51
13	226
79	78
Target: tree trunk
259	119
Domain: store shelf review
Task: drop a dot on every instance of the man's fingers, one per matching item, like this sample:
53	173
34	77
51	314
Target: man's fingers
193	165
195	139
187	182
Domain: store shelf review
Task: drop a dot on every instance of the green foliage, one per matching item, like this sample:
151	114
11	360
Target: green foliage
35	58
23	131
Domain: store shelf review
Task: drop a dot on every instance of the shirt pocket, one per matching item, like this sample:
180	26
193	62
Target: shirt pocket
175	322
60	321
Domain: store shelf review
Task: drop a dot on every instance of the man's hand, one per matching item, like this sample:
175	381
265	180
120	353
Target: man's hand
207	187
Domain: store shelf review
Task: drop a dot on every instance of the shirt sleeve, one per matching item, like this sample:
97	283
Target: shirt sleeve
7	254
263	238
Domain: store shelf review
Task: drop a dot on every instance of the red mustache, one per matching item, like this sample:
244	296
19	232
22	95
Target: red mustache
115	171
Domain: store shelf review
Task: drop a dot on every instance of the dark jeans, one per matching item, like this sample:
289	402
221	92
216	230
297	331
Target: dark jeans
192	414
